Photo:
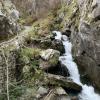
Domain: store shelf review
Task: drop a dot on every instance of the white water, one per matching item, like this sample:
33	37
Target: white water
88	92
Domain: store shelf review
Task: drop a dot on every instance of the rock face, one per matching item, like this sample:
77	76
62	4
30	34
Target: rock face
86	51
82	19
86	40
8	27
8	19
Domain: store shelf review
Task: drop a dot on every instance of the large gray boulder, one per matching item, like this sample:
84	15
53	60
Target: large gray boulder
49	59
57	93
58	80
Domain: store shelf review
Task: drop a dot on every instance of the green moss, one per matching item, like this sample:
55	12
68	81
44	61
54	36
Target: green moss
54	60
28	60
41	28
71	14
30	52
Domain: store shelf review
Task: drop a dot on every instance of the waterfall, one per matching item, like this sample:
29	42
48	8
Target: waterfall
87	92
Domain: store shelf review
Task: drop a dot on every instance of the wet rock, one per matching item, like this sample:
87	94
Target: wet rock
58	80
86	51
60	69
49	59
67	32
58	45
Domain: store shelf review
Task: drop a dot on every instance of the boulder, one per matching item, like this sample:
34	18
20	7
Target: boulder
58	45
54	44
46	43
57	93
66	32
48	54
58	80
74	98
8	25
96	13
4	25
14	14
42	90
49	59
60	69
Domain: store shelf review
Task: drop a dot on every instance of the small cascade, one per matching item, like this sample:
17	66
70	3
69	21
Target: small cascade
88	92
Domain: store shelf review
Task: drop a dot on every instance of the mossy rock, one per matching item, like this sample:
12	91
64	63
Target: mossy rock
49	59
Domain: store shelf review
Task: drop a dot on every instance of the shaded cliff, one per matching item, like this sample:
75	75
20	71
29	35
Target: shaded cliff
82	19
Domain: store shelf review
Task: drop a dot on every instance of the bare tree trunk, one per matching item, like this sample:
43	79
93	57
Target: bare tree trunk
7	72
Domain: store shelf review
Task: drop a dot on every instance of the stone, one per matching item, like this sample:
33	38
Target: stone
15	14
8	27
42	91
96	13
67	32
58	45
58	80
26	69
4	25
74	98
48	54
60	69
57	93
49	59
47	43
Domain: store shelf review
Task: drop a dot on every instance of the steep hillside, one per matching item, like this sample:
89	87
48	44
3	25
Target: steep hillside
43	43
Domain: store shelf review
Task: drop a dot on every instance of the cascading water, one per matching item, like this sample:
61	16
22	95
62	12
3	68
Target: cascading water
88	92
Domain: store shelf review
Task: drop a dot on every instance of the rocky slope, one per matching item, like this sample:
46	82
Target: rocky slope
34	53
23	67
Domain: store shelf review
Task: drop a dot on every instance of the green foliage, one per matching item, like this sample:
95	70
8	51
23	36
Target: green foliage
30	53
71	14
16	91
54	60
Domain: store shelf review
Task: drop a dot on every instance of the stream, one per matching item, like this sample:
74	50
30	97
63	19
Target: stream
87	92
